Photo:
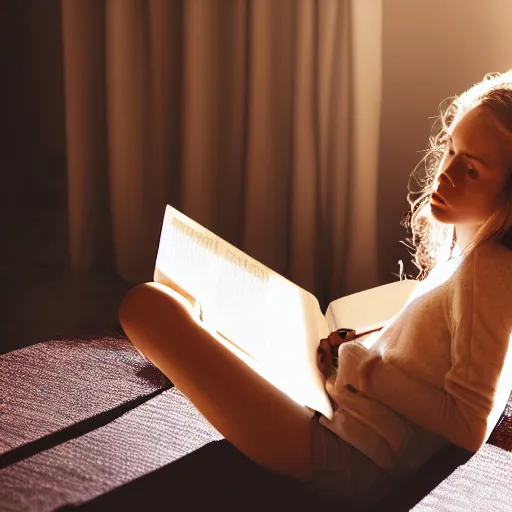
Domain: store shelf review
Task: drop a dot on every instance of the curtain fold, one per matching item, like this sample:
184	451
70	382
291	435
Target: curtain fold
83	32
259	119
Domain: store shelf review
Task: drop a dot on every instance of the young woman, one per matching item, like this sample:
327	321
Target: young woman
433	376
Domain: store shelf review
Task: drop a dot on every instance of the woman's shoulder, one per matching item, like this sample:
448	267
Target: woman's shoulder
492	253
483	281
490	262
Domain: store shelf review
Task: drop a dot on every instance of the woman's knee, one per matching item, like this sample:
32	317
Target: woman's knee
148	303
132	303
142	311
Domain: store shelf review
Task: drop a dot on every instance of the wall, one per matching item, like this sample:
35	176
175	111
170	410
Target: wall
431	50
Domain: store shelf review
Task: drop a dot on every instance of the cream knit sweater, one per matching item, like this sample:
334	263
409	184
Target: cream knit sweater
432	375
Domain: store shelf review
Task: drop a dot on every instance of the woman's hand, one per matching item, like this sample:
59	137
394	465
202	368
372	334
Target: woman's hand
327	352
324	358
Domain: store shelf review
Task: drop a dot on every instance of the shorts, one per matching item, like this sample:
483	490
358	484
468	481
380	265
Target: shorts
343	473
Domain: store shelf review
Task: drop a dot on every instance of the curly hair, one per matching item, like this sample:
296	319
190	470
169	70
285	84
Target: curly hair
433	242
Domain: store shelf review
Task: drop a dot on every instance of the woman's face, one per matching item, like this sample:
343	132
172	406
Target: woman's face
473	171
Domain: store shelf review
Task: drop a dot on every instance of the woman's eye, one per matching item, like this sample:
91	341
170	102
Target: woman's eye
473	174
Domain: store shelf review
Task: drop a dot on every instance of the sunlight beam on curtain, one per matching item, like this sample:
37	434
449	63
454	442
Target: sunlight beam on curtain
366	72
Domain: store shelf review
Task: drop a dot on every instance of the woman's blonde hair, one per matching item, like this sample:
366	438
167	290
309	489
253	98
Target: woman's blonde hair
432	242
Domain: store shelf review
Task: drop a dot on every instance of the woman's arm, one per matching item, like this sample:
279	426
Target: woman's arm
368	340
432	408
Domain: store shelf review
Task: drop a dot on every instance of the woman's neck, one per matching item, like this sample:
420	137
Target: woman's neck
465	234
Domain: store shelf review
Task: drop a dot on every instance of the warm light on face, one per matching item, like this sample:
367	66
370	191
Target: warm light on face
473	171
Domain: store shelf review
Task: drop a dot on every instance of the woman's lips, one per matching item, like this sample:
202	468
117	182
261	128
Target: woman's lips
437	199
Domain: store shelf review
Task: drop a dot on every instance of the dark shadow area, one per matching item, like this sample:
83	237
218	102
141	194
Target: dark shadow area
59	304
217	475
413	489
41	298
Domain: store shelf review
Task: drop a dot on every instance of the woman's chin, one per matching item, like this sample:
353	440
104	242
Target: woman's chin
441	213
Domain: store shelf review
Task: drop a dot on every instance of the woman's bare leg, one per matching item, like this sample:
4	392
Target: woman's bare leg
256	417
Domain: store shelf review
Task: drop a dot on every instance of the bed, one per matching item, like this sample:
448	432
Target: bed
89	424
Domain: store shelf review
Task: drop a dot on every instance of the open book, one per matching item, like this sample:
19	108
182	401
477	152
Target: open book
269	322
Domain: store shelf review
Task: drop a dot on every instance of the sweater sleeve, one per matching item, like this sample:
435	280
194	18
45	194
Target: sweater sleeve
481	328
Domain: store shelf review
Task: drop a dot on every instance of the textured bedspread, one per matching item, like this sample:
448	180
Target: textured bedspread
155	433
483	484
50	386
48	389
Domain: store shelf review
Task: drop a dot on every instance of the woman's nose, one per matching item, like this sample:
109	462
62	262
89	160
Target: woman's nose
445	177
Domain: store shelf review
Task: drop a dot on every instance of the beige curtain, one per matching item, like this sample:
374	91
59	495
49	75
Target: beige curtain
257	118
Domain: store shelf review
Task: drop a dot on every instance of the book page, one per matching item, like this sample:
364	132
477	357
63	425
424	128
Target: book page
268	318
370	309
